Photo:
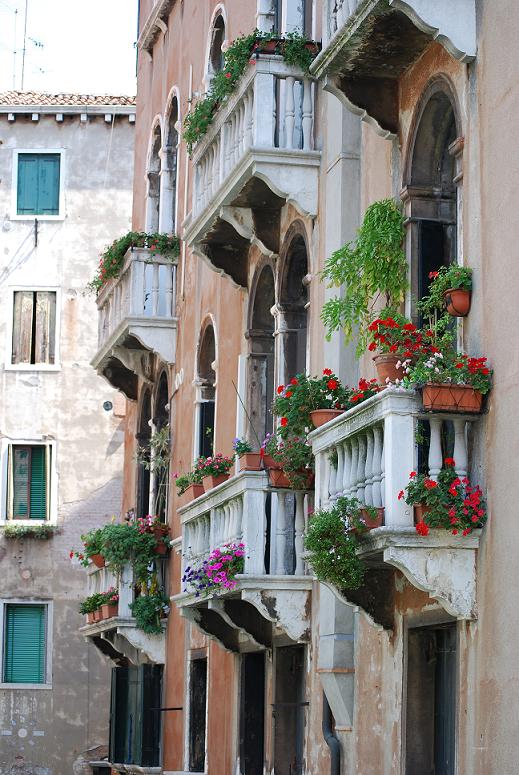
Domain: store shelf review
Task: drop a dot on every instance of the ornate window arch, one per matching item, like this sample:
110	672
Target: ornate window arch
261	355
169	165
216	44
153	170
205	380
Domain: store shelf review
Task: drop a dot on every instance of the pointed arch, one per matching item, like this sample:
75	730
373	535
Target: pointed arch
153	167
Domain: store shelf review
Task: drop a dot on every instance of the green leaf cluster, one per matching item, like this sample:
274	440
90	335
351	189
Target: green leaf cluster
92	603
41	532
372	266
147	610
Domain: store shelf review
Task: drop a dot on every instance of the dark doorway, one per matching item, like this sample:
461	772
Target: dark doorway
252	714
260	376
293	310
207	401
431	701
143	471
289	710
197	712
135	715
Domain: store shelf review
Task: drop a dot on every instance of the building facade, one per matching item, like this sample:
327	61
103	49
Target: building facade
407	100
64	159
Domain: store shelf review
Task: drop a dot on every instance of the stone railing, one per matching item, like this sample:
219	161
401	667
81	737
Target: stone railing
245	509
369	452
101	579
337	14
272	109
144	291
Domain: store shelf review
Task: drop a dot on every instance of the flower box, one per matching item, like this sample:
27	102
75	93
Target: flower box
211	481
90	618
279	479
322	416
97	615
451	398
250	461
192	492
98	560
109	610
270	463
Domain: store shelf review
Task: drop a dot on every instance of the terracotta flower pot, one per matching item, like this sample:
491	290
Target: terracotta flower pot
90	618
211	481
373	522
97	615
192	492
322	416
385	364
420	510
98	560
451	398
250	461
160	531
457	301
269	462
279	479
109	610
267	46
161	548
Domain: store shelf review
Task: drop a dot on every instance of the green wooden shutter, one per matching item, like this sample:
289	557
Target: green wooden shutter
24	644
38	183
21	475
38	484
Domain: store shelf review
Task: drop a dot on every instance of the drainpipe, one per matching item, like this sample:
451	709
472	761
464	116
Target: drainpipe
330	738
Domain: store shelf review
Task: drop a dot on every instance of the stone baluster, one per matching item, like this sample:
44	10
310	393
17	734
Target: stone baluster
289	112
339	483
249	104
435	448
368	490
332	484
361	468
307	114
299	530
169	293
138	290
227	147
376	476
346	467
352	484
254	526
281	533
460	447
125	591
155	290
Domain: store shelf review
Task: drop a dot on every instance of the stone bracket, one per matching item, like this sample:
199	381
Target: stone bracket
451	22
286	608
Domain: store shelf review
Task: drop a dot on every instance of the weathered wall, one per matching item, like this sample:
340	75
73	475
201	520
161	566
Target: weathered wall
49	728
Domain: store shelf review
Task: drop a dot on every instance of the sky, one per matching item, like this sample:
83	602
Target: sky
71	46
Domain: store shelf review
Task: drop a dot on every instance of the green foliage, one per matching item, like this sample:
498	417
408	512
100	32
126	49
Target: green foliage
332	544
450	367
123	542
241	446
298	50
147	610
112	260
446	278
296	458
41	532
373	265
92	603
303	395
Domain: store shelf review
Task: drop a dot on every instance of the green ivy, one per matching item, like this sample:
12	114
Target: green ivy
147	610
371	267
41	532
112	259
332	545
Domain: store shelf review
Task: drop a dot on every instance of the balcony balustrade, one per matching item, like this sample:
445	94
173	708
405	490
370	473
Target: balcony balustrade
119	636
136	318
257	154
368	44
368	453
271	523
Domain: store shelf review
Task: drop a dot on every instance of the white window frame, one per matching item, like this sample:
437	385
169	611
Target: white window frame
48	643
5	443
14	187
9	365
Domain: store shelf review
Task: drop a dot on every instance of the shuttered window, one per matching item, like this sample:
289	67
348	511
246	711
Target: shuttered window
29	473
38	184
24	643
34	327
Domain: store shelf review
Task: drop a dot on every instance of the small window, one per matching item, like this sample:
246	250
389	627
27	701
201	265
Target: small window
28	476
38	184
25	629
34	328
216	57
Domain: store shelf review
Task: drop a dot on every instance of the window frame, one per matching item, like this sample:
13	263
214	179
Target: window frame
48	605
14	185
8	364
5	444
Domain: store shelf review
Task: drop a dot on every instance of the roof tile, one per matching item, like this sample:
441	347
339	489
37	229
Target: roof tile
37	99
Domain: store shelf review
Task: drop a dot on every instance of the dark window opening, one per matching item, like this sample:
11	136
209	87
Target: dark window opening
154	182
289	710
431	701
293	307
216	57
172	161
135	719
143	472
197	712
207	402
260	372
252	714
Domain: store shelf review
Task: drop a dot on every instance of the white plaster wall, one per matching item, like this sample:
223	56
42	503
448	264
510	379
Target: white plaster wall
65	405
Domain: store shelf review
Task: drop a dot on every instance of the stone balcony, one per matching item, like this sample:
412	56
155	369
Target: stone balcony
257	155
368	44
119	637
375	448
273	595
136	319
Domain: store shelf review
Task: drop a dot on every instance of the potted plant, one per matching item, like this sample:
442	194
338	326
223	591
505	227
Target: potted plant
248	460
450	289
451	381
217	572
296	459
372	516
365	389
213	469
332	544
309	401
110	603
190	485
92	551
370	268
159	530
148	609
91	606
448	502
398	341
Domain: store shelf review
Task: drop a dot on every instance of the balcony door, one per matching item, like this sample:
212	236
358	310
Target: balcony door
260	371
252	714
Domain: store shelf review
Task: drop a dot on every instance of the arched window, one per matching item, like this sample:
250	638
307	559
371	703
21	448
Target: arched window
292	313
153	174
143	437
260	372
431	193
216	58
206	398
168	206
160	450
